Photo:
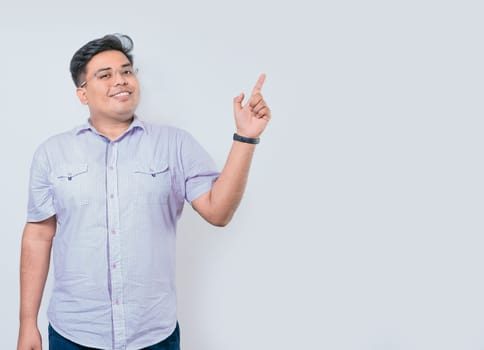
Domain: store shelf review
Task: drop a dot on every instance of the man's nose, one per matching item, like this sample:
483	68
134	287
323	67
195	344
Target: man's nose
120	79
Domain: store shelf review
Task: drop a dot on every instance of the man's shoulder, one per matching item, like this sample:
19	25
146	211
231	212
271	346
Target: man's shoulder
164	130
59	139
55	145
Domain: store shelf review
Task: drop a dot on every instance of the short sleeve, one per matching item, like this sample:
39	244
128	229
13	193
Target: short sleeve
199	169
40	200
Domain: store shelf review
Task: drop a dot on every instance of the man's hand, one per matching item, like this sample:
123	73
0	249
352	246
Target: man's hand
252	118
29	338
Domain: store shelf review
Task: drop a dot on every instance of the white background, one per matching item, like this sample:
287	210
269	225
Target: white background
362	224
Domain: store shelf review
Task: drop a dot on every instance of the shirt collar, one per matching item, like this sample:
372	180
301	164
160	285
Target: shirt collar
136	123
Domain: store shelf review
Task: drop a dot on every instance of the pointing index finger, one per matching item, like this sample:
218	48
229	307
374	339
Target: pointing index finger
258	85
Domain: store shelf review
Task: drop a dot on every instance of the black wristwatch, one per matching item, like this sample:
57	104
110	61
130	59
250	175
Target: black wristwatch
251	140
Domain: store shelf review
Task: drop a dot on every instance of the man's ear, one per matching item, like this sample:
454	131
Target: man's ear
82	95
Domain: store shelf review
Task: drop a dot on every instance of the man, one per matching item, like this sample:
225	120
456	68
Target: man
106	196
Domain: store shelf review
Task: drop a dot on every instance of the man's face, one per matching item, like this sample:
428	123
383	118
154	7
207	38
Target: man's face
110	87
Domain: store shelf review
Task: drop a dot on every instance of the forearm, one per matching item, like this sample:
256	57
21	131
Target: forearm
34	267
227	191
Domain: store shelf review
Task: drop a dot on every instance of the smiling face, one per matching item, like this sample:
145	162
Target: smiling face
110	87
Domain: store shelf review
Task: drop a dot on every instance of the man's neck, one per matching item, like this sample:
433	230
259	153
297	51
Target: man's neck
111	128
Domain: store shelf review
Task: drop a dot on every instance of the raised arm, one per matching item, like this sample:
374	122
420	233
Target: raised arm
219	204
34	267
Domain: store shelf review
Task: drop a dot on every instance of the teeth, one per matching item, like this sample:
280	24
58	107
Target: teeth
122	94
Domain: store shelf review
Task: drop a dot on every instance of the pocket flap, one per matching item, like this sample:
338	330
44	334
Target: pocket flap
151	170
69	171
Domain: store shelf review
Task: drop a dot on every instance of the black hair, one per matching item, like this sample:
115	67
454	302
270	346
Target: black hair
81	58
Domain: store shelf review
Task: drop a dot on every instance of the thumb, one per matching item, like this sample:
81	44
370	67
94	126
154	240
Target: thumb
238	102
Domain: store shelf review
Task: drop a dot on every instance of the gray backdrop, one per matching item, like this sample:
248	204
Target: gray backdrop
362	224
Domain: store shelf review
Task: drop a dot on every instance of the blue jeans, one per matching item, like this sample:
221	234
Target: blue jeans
58	342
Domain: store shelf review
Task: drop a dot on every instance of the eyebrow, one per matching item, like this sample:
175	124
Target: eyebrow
109	68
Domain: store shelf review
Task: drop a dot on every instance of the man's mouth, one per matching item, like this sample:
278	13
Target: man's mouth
121	93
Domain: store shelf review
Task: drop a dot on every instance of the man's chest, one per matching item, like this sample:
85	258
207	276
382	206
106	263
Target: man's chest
112	173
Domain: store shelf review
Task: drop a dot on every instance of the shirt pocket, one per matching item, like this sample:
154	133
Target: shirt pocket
71	184
152	183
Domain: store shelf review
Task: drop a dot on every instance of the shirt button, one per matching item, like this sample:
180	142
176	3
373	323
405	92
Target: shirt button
117	301
114	266
111	195
111	167
113	231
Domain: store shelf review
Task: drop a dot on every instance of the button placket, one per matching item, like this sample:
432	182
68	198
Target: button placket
114	243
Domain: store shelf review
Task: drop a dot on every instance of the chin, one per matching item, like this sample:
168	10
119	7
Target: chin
125	117
124	113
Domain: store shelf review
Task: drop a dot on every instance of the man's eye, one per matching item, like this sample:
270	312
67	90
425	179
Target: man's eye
105	76
127	72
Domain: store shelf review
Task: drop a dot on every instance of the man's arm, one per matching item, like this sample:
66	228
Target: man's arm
34	267
219	204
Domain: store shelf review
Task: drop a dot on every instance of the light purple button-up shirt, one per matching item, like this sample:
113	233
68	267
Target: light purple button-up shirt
117	204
